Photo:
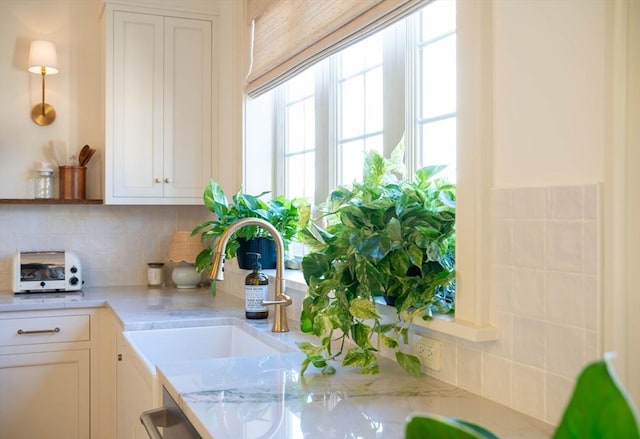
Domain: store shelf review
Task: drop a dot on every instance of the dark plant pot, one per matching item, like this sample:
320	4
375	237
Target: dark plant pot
390	300
265	246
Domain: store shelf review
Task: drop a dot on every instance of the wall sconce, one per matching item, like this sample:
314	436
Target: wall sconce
43	59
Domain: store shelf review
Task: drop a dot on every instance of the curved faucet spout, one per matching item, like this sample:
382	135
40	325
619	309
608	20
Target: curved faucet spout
281	299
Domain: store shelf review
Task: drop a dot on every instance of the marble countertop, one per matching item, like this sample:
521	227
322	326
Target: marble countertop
265	396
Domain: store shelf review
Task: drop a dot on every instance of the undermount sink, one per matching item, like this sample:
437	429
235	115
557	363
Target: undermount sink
156	346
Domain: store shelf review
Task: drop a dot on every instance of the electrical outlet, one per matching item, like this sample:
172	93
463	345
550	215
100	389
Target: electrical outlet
429	351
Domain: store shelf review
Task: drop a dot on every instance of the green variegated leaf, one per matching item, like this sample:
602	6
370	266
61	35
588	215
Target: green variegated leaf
309	348
388	341
363	309
374	247
371	369
356	357
393	229
360	335
410	363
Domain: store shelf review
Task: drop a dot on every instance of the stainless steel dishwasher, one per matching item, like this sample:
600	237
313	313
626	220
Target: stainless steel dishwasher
170	419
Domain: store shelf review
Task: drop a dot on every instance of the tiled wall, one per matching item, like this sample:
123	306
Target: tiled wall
114	243
546	294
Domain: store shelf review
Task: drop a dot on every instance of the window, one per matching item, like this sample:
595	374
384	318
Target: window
473	158
358	93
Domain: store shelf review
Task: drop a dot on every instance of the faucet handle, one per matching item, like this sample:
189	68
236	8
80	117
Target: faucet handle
282	300
281	303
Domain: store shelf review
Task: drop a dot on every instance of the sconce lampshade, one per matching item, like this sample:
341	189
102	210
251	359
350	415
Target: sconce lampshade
43	60
43	54
183	251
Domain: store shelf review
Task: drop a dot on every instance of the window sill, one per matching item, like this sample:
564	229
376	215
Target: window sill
443	324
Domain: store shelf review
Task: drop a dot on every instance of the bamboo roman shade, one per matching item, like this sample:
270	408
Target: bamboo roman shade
290	35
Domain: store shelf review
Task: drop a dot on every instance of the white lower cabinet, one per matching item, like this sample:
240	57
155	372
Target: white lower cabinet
133	393
45	378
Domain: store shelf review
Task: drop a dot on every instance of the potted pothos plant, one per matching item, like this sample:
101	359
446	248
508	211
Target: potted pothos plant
384	237
283	213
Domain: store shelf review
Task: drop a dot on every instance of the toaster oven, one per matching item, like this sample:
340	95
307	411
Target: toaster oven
46	271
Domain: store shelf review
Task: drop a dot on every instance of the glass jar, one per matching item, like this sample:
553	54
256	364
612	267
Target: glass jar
44	183
155	275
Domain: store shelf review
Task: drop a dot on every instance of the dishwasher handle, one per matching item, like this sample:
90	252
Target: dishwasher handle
152	419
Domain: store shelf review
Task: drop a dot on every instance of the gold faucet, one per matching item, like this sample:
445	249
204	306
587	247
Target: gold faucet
281	300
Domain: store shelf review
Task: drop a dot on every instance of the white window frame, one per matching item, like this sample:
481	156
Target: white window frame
472	319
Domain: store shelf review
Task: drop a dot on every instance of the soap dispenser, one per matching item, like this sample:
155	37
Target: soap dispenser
256	289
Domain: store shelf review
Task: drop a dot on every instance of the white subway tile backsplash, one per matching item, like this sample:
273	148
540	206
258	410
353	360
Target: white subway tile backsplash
501	287
591	346
530	341
529	244
565	246
528	203
592	302
469	373
566	298
114	243
553	311
566	350
565	202
528	296
528	384
591	244
558	391
496	378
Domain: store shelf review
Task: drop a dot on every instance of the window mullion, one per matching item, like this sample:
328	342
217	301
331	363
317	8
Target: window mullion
279	140
411	88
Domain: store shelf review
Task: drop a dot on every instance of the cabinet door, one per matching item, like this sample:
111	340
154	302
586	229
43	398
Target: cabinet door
187	104
133	395
137	105
45	395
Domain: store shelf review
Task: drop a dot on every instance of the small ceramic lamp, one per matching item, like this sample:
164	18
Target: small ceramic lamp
184	250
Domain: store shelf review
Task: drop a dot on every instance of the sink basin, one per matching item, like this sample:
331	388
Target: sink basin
156	346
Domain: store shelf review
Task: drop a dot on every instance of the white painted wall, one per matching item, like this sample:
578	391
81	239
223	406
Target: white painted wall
75	92
551	86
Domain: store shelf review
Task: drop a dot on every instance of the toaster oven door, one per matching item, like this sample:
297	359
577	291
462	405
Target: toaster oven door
42	266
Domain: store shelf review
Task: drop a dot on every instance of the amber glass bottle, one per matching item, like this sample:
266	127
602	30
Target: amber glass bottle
256	289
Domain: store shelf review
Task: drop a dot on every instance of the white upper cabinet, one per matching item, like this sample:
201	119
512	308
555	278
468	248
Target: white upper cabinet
159	106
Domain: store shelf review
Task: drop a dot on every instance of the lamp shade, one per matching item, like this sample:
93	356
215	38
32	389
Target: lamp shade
43	54
184	247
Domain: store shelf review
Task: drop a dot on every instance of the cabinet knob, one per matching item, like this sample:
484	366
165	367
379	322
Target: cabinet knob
158	180
167	180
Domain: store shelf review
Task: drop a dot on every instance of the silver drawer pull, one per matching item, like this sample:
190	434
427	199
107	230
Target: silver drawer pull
38	331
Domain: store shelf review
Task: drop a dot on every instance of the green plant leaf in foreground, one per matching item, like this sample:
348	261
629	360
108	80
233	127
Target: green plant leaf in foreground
421	426
599	407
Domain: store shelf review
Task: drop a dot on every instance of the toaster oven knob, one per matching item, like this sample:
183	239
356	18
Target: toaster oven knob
42	284
73	280
73	269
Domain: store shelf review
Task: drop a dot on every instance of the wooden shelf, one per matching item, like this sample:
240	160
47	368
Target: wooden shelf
46	201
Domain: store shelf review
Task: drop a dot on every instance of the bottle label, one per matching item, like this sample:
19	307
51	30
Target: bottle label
255	294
